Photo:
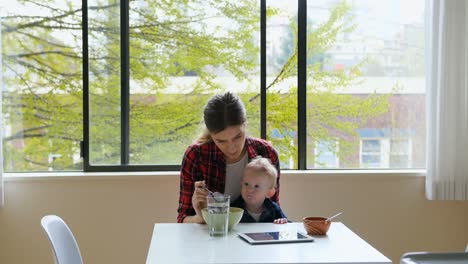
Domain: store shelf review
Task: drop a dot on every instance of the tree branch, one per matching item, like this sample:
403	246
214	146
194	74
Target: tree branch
23	133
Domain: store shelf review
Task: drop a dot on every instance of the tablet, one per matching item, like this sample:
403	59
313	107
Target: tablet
255	238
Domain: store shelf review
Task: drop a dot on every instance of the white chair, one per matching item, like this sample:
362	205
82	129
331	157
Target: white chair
61	238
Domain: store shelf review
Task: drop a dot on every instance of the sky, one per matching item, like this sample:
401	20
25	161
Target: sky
375	17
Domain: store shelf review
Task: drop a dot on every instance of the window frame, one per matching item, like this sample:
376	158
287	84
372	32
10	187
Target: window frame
125	91
125	94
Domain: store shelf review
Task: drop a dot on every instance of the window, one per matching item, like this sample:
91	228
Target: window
371	153
42	85
147	88
386	153
400	153
325	154
330	84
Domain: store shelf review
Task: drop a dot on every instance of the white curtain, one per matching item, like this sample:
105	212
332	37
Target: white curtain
447	99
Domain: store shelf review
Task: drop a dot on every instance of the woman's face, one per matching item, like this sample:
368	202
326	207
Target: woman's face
231	142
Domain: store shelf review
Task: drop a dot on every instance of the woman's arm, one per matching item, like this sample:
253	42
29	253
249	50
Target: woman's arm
198	202
188	195
197	219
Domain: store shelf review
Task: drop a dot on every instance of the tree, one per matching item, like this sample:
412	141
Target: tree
332	116
168	39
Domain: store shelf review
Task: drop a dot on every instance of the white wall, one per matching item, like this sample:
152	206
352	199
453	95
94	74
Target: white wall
112	217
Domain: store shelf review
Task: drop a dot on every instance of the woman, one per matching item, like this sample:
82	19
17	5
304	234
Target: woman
216	161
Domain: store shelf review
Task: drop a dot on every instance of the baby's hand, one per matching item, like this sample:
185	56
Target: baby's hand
280	221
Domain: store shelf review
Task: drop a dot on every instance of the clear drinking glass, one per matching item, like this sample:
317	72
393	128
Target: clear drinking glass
218	214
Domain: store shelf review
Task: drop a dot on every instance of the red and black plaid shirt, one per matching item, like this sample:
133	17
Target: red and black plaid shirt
206	162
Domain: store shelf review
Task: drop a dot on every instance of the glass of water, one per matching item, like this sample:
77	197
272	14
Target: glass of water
218	214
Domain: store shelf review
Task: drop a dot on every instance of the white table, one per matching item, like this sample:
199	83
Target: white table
191	243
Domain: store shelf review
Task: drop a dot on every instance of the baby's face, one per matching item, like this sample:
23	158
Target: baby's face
255	187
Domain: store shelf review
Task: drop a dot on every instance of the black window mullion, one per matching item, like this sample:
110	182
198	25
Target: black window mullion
125	91
85	145
263	110
125	82
302	84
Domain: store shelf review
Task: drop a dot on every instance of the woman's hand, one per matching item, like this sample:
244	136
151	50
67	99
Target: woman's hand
199	198
280	221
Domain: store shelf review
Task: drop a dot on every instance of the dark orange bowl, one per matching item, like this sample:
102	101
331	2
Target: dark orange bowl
316	225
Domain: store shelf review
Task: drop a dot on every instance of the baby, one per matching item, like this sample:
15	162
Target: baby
258	185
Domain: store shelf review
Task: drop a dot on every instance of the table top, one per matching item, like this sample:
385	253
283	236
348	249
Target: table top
191	243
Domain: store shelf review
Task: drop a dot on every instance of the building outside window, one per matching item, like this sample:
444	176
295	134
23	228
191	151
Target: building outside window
364	81
386	152
372	153
325	154
400	153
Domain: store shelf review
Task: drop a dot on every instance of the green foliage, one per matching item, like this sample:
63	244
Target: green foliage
168	39
332	116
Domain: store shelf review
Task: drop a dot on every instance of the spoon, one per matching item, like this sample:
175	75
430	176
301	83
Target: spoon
217	195
331	217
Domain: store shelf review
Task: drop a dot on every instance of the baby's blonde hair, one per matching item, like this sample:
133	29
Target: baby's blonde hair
263	165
